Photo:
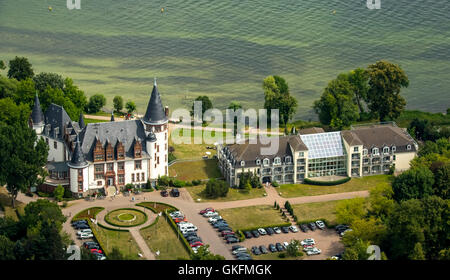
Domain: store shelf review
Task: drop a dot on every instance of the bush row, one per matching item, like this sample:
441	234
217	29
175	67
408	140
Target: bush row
322	183
145	205
166	181
96	235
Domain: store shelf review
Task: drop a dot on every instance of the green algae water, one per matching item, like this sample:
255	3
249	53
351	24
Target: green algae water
224	49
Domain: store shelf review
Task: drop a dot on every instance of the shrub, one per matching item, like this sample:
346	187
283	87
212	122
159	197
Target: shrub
216	188
164	181
188	184
282	255
275	184
178	183
58	193
196	182
322	183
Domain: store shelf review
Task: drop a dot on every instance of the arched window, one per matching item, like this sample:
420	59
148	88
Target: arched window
386	150
242	163
258	162
375	151
277	160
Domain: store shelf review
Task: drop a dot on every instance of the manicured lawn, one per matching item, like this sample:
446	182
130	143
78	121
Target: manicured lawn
126	217
195	170
159	207
119	239
86	121
89	213
316	210
253	216
355	184
161	237
196	193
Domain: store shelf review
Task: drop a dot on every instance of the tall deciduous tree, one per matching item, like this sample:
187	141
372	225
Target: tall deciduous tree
20	69
43	80
277	96
96	102
130	106
336	107
386	80
206	105
118	103
413	183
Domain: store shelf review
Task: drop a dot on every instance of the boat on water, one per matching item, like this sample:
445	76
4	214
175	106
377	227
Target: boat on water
50	8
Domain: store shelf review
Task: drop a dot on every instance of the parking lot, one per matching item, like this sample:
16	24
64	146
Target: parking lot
327	240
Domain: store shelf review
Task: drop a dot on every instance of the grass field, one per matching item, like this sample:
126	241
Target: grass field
161	237
126	217
120	239
159	207
6	206
233	194
195	170
355	184
89	213
86	121
317	210
253	216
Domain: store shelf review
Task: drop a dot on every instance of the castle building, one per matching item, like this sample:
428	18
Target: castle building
103	157
313	153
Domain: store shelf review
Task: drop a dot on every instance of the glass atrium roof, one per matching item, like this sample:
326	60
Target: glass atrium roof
324	145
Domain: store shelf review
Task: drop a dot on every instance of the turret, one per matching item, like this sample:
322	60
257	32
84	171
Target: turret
37	117
78	170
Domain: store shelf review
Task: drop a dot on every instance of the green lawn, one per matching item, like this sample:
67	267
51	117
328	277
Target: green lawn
355	184
126	217
316	210
89	213
196	192
161	237
159	207
119	239
252	216
195	170
86	121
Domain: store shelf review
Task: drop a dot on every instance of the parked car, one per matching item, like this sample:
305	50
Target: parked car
293	228
175	192
230	236
99	256
279	247
313	251
245	257
277	230
263	249
285	229
341	228
81	226
262	231
86	235
224	229
210	214
227	232
179	220
209	209
345	231
304	227
220	224
87	230
96	251
232	240
256	251
164	193
196	244
79	222
215	219
248	234
176	214
312	226
234	247
285	244
239	249
255	233
87	243
308	241
270	231
320	224
272	248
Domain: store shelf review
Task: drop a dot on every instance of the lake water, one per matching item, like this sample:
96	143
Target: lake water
224	49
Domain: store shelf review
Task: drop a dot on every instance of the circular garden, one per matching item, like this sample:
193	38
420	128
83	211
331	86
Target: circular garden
126	217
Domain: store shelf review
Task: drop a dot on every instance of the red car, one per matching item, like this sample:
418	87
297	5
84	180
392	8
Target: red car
196	244
224	233
178	220
209	209
96	251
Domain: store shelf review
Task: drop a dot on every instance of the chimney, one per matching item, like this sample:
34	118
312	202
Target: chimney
166	111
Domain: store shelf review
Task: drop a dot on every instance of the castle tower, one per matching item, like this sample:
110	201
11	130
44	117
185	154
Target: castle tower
78	167
37	117
157	138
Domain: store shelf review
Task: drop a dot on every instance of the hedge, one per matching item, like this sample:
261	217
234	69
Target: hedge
77	218
324	183
177	231
152	224
134	225
327	223
153	209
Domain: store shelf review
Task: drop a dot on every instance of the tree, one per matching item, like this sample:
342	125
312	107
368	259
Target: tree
131	107
118	103
2	65
359	80
12	114
216	188
206	105
20	69
413	183
6	249
381	203
37	212
234	105
58	97
293	248
22	158
385	82
350	210
96	102
44	80
58	193
441	186
8	87
204	254
336	107
277	96
75	95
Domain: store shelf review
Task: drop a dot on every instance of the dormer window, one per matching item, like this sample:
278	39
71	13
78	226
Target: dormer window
266	161
242	163
375	151
258	162
277	160
365	152
393	148
386	150
408	147
288	159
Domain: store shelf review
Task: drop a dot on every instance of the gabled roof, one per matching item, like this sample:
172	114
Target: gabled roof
383	135
36	114
155	112
125	132
311	130
56	116
78	160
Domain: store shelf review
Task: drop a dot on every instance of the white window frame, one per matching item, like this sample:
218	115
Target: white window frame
365	151
301	154
393	149
288	159
384	149
266	162
258	162
408	147
356	149
377	151
277	160
242	163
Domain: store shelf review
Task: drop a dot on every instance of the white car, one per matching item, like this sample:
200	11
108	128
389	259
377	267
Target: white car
214	219
210	214
239	250
293	228
88	230
277	230
308	241
86	235
313	251
176	214
347	230
262	231
286	244
184	224
320	224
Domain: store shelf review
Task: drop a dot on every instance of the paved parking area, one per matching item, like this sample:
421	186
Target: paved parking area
327	240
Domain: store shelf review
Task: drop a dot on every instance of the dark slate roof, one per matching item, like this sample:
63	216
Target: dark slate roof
78	159
155	112
112	116
56	116
311	130
381	136
250	152
151	137
81	121
57	166
124	131
36	114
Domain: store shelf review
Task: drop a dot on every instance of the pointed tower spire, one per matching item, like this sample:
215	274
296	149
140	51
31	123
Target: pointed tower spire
155	111
112	115
78	160
36	114
81	121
